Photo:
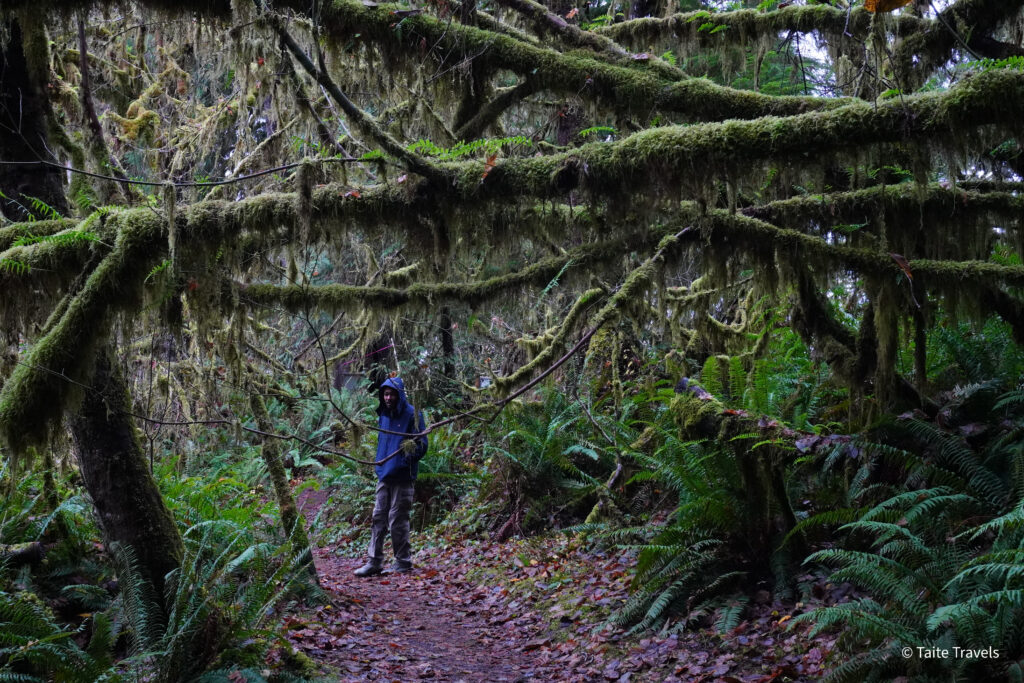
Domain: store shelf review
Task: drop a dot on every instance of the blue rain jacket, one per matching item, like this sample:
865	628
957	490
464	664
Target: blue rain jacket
404	418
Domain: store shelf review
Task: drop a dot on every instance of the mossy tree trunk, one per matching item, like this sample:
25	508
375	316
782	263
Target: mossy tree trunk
23	135
127	501
291	522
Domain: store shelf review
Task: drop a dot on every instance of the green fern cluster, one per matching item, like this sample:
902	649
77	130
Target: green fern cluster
939	559
68	238
550	452
487	146
34	647
14	266
218	602
688	568
964	355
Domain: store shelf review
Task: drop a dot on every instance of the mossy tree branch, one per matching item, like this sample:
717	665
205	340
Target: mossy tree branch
740	27
965	22
341	297
545	21
925	43
700	153
621	87
39	390
492	110
361	119
893	202
754	236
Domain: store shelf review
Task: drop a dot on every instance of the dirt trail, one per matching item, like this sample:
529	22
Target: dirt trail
416	626
538	618
425	625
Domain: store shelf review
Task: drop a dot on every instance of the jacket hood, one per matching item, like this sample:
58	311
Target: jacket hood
398	385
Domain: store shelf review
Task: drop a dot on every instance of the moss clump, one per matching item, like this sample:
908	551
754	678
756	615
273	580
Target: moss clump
696	418
138	125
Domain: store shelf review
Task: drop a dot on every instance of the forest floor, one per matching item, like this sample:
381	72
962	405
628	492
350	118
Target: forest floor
531	610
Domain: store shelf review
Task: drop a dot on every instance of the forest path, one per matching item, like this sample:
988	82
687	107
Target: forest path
417	626
484	611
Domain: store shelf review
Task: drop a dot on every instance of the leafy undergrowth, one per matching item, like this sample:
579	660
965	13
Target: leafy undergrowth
536	609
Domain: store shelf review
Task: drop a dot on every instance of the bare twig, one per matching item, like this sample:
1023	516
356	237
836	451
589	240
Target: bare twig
151	183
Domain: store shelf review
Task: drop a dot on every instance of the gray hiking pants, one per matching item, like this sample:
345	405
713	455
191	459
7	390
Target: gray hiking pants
391	512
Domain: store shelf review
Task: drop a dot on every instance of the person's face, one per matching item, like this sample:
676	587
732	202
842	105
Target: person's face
390	398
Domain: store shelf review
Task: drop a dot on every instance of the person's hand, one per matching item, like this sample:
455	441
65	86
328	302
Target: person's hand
409	446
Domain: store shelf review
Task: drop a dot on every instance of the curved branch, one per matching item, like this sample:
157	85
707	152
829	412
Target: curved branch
340	297
970	21
706	30
490	112
633	89
545	21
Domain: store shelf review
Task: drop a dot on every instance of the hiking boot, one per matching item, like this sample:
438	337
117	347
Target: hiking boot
401	567
368	569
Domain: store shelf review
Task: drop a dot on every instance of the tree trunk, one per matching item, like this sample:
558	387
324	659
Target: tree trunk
291	522
23	135
128	503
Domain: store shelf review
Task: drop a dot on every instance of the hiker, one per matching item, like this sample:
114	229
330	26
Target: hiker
401	451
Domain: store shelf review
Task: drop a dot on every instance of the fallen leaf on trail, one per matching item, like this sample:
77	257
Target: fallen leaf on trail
536	644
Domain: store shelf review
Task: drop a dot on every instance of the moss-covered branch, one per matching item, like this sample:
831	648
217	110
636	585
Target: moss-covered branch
704	30
545	22
363	121
924	44
749	235
581	73
640	87
51	377
906	216
628	294
700	153
344	297
492	110
897	203
964	24
12	233
548	354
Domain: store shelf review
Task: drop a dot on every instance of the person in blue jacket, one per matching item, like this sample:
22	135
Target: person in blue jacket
400	445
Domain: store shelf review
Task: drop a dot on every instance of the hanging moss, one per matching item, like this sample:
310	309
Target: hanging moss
694	155
920	212
304	199
886	323
714	376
